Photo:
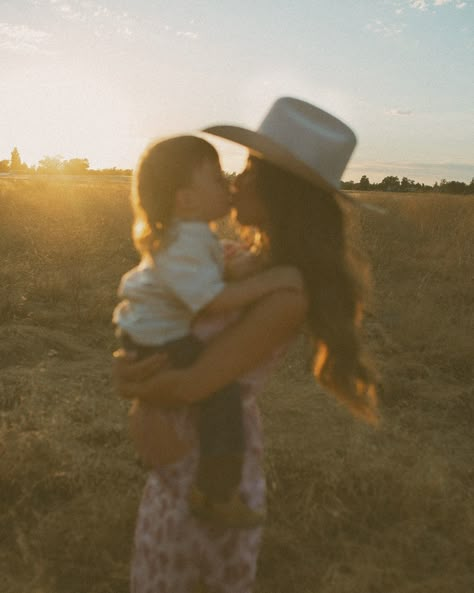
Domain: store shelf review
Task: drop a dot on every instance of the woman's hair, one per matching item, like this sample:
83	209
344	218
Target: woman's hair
165	167
306	229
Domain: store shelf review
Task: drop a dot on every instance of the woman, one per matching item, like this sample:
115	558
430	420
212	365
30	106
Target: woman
289	192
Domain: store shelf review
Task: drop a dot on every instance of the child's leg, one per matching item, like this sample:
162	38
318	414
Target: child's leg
222	443
151	429
220	429
215	496
154	436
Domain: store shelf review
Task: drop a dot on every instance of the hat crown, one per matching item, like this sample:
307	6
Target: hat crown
314	137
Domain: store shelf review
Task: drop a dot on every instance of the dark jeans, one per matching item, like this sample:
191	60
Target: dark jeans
220	425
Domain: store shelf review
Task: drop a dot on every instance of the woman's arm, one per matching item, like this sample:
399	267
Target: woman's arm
241	293
238	349
267	325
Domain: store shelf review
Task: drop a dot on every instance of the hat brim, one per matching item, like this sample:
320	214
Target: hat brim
263	147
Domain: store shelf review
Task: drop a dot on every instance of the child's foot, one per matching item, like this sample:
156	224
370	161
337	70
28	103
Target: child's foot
231	513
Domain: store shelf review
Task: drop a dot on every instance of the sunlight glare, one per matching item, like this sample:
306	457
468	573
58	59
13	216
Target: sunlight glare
69	115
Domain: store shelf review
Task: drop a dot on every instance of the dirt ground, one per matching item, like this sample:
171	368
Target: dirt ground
351	509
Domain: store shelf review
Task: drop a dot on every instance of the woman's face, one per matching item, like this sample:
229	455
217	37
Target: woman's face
246	200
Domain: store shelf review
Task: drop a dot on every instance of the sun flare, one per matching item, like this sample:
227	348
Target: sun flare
70	114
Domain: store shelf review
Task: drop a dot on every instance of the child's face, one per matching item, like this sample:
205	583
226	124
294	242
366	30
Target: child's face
209	192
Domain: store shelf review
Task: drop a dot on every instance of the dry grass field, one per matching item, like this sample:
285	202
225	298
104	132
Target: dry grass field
352	509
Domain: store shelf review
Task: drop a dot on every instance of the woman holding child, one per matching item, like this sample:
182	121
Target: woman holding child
188	535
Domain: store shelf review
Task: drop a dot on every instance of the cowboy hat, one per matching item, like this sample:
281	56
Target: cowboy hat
299	138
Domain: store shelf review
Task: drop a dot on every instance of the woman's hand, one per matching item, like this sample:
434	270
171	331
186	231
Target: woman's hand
134	378
128	368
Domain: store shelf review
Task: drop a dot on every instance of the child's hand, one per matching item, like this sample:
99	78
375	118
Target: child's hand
240	262
231	248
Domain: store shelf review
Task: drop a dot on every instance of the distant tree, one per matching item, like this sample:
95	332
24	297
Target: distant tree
364	183
75	166
390	183
4	166
421	187
15	161
453	187
393	184
348	185
407	184
112	171
50	164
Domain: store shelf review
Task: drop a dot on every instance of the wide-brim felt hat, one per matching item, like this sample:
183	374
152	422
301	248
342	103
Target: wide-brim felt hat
300	138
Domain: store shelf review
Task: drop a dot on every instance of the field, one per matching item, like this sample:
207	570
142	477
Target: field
352	509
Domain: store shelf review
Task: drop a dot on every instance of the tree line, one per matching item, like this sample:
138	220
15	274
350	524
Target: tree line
55	165
394	184
52	165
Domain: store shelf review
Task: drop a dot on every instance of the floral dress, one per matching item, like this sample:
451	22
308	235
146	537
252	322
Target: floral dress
175	552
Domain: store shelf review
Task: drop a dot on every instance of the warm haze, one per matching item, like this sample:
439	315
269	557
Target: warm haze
98	80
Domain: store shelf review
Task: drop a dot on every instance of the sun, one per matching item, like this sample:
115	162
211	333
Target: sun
71	114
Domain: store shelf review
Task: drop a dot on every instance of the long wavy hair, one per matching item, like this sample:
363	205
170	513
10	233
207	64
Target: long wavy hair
306	229
164	167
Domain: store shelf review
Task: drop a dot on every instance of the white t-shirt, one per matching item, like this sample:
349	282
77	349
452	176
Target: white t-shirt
162	295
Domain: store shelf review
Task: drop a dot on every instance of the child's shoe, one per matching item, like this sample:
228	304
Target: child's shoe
231	513
197	501
235	513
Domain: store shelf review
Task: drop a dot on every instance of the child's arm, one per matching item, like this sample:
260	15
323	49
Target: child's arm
245	292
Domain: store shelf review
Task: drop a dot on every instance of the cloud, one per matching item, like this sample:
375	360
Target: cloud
399	112
419	4
425	5
458	3
22	39
187	34
387	30
103	21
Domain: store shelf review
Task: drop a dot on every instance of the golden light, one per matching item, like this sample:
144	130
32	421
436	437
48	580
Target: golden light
68	113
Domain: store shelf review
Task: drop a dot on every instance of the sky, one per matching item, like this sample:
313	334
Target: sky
101	79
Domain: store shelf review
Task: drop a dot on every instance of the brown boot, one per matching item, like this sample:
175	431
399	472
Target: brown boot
232	513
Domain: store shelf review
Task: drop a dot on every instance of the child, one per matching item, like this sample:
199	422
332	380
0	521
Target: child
179	189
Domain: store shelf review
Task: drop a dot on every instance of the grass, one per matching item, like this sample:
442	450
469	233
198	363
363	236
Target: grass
351	509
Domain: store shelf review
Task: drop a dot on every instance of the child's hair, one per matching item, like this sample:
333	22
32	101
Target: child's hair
165	167
307	230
